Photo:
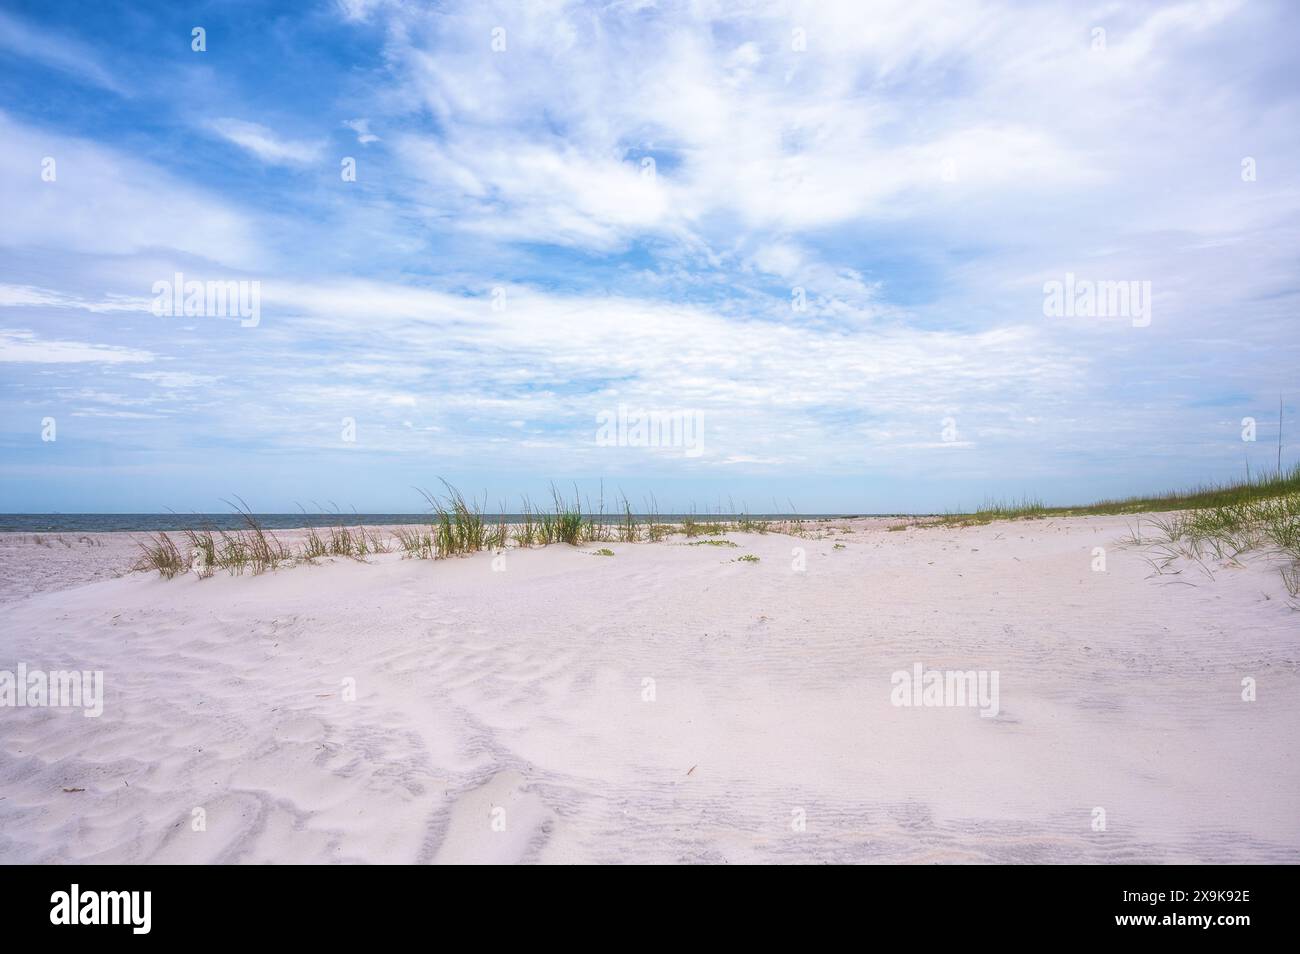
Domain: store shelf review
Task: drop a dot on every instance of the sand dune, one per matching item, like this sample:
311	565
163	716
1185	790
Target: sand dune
666	704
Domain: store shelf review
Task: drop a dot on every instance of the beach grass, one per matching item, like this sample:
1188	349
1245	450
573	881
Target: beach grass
161	554
629	530
569	526
1204	497
1223	533
251	548
416	542
457	527
528	530
1215	521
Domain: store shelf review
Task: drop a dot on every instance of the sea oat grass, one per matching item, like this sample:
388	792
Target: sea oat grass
568	525
1207	497
161	554
1223	534
415	542
1215	523
628	529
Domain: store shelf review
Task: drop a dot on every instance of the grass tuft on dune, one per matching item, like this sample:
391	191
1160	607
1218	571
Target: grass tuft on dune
1219	521
457	527
1206	496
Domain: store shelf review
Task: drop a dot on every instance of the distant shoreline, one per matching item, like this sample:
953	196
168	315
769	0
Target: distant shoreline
1284	483
169	522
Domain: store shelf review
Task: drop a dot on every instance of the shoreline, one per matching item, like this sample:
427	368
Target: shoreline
175	523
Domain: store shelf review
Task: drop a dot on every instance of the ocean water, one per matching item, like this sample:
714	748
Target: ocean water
153	522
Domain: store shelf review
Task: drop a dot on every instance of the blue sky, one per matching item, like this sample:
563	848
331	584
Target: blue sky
617	208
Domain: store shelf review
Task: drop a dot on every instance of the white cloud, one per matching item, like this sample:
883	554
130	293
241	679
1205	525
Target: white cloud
24	346
105	202
745	129
362	128
28	296
775	390
265	143
919	171
177	379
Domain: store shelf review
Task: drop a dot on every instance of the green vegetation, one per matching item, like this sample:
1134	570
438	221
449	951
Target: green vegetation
627	527
160	554
1225	532
417	543
1217	522
1231	493
252	547
694	528
457	527
527	532
1212	522
569	525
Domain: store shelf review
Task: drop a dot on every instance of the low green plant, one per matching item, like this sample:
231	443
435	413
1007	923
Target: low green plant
1225	533
527	532
203	549
568	524
313	546
1207	497
161	554
416	542
458	526
696	528
628	530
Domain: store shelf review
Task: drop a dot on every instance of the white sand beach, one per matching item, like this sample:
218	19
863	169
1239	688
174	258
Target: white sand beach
509	716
